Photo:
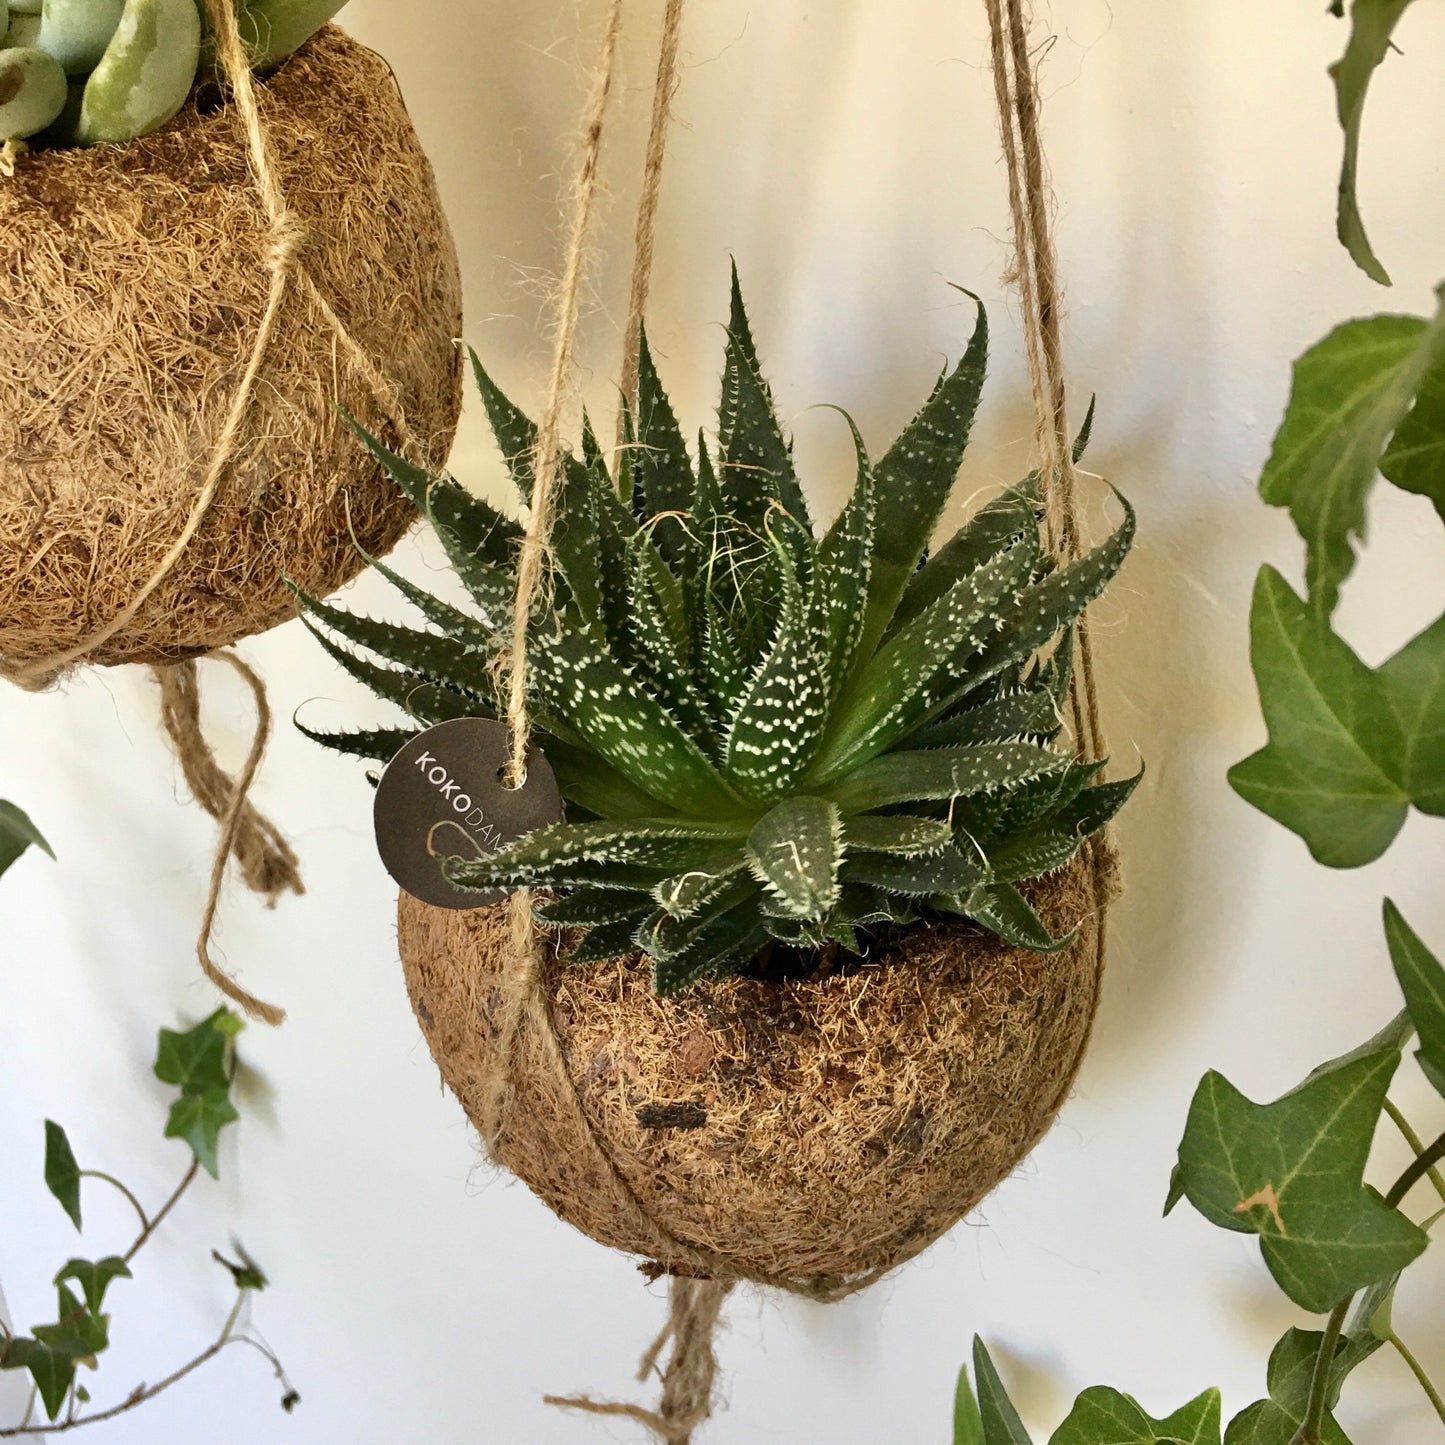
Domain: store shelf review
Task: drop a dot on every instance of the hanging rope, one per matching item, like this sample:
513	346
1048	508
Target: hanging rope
265	858
701	1282
1036	272
645	237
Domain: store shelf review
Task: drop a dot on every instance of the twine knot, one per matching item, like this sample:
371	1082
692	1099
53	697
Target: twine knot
289	238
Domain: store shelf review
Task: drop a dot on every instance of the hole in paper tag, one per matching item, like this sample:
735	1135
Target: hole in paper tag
444	796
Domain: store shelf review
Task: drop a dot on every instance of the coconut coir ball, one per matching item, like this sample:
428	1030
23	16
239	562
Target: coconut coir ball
807	1131
133	280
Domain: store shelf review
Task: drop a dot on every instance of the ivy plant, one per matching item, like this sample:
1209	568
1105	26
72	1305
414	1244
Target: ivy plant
200	1064
1351	750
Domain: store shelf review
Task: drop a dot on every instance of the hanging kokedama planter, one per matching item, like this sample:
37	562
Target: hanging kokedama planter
807	876
810	1131
821	958
182	313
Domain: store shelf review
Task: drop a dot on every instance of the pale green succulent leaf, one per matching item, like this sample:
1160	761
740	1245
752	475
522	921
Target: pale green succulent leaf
477	526
590	783
1031	855
448	661
663	483
614	939
686	895
633	856
587	907
376	744
795	850
716	948
845	560
948	871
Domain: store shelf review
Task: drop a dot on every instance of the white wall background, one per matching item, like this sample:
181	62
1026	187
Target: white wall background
844	152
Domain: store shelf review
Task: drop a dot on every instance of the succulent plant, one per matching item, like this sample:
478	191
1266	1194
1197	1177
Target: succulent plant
83	72
760	735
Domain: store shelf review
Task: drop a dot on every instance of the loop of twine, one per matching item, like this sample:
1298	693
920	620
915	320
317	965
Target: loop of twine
687	1381
264	857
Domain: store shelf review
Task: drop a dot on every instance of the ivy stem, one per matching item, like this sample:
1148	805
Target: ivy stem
140	1395
1310	1428
151	1225
116	1184
1413	1140
1418	1370
1425	1161
1309	1432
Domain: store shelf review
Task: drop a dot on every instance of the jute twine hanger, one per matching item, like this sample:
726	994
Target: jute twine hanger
701	1281
266	861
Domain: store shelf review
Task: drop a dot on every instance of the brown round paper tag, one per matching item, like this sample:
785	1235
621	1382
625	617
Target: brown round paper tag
443	796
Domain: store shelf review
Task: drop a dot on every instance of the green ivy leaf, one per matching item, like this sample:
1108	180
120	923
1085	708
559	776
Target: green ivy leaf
62	1173
1422	980
1292	1172
1350	392
76	1329
1415	459
198	1118
1001	1423
1414	684
1372	22
1332	770
1275	1420
17	833
195	1060
51	1366
1105	1417
94	1277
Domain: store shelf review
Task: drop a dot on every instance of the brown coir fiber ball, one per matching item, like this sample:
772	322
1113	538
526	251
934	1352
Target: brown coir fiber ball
132	283
806	1133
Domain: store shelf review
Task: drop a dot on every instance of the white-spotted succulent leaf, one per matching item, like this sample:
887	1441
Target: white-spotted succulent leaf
763	738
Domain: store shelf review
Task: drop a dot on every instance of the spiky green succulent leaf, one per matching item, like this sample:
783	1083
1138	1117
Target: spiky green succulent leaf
759	735
795	850
916	476
757	460
1002	908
